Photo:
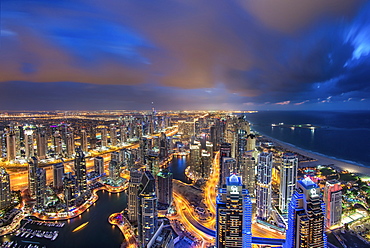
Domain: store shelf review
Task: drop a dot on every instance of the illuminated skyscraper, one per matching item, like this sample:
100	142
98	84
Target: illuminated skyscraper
288	179
234	215
58	144
10	146
148	216
28	143
70	144
32	166
164	190
104	138
69	189
114	170
58	173
80	171
229	166
133	195
113	135
84	145
40	188
99	165
5	196
306	217
263	189
41	142
248	167
333	202
225	151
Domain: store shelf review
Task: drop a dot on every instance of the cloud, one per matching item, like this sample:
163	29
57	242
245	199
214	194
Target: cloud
283	103
261	50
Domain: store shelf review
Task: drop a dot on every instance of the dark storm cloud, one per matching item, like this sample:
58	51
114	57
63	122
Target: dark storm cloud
240	53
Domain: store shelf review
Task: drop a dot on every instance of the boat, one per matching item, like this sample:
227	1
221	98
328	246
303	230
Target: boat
55	235
80	227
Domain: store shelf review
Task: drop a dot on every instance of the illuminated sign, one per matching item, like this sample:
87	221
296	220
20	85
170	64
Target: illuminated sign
234	190
313	193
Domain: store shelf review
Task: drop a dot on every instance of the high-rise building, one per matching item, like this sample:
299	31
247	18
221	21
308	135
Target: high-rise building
333	203
113	135
229	166
114	170
5	196
263	189
225	151
10	146
288	179
69	189
41	142
234	215
251	142
58	144
306	217
104	138
99	165
84	144
28	143
133	195
80	171
248	167
117	156
164	189
58	173
70	144
32	166
148	217
40	188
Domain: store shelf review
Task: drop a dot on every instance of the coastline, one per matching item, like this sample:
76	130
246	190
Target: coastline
321	159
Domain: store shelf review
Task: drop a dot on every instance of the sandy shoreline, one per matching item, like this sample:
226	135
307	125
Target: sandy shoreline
321	160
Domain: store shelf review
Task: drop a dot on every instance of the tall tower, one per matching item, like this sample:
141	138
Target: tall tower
99	165
164	191
234	215
84	140
69	188
288	179
70	144
10	145
28	143
104	138
114	170
41	143
80	171
333	202
306	217
133	195
40	188
229	166
225	151
263	189
32	166
57	143
58	173
113	135
148	217
248	165
5	196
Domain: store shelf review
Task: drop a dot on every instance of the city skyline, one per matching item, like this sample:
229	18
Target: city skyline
235	55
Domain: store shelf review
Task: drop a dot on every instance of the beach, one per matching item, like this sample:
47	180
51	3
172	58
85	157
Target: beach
321	159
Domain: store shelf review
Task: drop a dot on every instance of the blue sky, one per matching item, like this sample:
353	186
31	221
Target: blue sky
184	54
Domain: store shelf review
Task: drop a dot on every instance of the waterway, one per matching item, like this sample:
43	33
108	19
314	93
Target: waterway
98	232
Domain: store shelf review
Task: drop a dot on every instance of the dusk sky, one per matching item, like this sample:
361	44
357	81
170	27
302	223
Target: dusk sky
185	54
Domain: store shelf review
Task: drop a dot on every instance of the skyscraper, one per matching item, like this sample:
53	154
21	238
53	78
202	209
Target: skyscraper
333	202
10	146
133	195
288	179
234	215
229	166
40	188
99	165
69	189
58	173
248	166
70	144
80	171
114	170
164	190
306	217
41	143
113	135
225	151
104	138
28	143
5	196
32	166
263	189
148	217
84	140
